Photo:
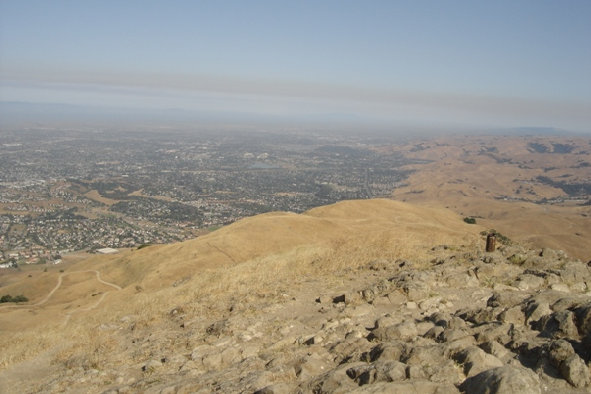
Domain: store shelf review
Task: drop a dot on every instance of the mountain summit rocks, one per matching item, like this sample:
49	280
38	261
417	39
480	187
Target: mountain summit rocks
468	321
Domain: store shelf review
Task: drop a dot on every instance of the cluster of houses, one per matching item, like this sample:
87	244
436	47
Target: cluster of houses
30	256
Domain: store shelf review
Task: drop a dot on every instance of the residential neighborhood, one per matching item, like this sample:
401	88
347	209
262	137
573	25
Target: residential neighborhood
83	190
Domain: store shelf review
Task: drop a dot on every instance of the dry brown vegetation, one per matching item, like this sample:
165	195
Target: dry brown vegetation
255	256
268	255
494	179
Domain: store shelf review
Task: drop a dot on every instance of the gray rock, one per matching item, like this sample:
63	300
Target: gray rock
360	311
562	287
311	366
387	320
278	388
558	351
402	331
579	287
361	373
445	371
575	371
537	310
351	350
381	301
506	299
324	299
349	298
336	381
447	321
387	352
415	372
200	351
424	355
390	371
571	301
559	325
505	379
434	332
381	371
450	335
529	282
575	271
368	295
454	347
462	280
415	291
583	315
497	350
396	298
478	316
549	253
230	356
476	360
512	315
408	387
424	327
212	361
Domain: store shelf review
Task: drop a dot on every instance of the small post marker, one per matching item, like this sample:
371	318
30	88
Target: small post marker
490	242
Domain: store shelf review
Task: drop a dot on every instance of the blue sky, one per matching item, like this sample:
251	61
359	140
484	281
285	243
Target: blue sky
424	63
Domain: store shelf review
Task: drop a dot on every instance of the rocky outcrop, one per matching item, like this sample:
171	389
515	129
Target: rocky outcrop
511	321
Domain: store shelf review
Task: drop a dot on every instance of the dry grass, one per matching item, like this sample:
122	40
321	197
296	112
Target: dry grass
470	181
268	255
19	346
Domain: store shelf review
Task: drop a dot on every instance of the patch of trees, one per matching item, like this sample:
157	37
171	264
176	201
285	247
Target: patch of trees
562	148
556	148
68	214
8	298
500	237
158	210
572	189
540	148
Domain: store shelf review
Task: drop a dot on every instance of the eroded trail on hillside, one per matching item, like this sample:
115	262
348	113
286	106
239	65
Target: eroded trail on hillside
60	280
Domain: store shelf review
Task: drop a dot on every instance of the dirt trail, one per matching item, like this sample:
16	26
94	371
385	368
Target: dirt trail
18	374
59	284
60	280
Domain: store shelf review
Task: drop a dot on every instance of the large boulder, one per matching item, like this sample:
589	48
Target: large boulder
575	371
505	379
476	360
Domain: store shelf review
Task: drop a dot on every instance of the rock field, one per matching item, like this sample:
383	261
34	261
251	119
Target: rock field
510	321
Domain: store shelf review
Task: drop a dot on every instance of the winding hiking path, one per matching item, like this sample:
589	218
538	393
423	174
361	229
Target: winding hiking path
59	284
27	370
60	280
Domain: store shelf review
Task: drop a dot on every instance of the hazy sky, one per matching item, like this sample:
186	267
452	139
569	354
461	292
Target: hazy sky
427	63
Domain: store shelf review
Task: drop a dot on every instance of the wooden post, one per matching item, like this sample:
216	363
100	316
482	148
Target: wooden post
490	243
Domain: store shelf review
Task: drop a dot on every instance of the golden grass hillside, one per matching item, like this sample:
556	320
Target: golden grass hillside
496	180
255	256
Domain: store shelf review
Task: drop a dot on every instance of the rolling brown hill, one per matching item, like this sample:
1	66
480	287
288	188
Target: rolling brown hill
499	181
283	302
253	254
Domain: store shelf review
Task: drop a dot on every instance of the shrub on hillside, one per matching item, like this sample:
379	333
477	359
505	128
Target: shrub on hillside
500	237
9	298
470	220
